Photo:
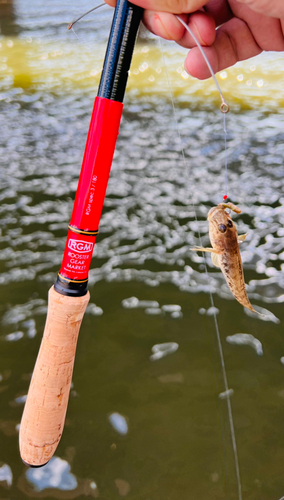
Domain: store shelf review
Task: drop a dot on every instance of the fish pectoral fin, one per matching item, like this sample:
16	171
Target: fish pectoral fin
242	237
215	259
202	249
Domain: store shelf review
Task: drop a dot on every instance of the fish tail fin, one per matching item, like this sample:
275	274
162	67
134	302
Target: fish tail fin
257	312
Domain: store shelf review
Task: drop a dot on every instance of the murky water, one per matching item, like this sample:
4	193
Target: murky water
147	418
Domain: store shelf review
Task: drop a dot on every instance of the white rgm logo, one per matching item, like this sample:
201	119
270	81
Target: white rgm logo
80	246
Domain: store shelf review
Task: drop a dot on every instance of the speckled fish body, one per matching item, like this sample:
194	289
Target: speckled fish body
225	244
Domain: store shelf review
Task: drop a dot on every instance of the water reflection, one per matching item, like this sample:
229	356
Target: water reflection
226	394
172	378
153	311
13	337
152	307
9	427
171	308
123	487
20	400
162	350
133	303
153	213
8	24
30	325
56	474
56	480
20	312
119	423
94	310
6	475
142	273
246	339
265	314
211	311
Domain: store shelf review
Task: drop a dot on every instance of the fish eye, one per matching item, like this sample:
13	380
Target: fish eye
229	223
222	228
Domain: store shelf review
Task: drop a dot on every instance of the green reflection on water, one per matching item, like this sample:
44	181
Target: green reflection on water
178	437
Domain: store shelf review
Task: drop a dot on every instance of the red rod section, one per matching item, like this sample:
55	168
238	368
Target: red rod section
91	190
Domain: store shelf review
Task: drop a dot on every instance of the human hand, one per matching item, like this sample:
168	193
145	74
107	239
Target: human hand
245	29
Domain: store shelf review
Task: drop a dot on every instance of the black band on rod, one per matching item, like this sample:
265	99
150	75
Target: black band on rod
72	288
87	232
120	47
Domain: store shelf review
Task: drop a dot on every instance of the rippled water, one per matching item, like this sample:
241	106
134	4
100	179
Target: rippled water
147	417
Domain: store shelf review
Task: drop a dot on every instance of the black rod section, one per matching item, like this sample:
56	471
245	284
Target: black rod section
119	51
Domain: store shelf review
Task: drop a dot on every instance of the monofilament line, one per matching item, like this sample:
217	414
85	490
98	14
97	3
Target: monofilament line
70	26
229	406
226	160
224	105
220	348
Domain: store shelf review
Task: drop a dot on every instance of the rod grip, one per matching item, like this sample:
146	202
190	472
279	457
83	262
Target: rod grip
46	405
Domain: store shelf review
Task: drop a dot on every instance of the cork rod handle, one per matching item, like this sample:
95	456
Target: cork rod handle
45	409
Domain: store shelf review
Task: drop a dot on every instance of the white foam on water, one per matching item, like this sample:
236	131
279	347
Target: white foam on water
246	339
133	303
226	394
94	310
171	308
162	350
154	311
55	474
119	423
6	474
13	337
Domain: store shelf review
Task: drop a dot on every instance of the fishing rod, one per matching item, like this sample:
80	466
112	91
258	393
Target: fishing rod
46	405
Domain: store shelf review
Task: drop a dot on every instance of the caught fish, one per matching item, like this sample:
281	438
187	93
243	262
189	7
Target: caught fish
225	251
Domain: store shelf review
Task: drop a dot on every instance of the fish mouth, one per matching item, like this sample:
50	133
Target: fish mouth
212	211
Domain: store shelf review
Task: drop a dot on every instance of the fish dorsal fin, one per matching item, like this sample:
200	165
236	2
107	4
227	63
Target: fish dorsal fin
242	237
215	259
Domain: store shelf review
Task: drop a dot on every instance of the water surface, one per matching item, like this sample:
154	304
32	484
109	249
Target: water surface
147	418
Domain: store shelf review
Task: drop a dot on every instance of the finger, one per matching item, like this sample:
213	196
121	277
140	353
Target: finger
173	6
203	27
169	27
219	10
252	11
164	24
234	42
266	31
273	8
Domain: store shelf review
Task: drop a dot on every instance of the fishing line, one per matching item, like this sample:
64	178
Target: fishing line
226	161
224	106
78	38
220	348
71	25
195	216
